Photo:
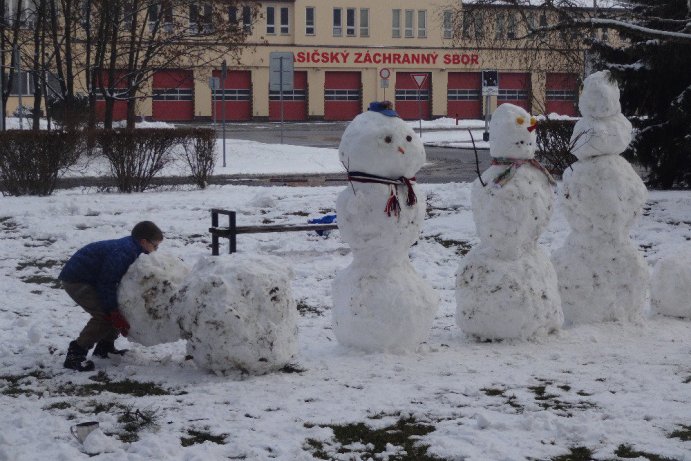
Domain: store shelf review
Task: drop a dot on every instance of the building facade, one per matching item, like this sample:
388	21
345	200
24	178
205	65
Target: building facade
426	56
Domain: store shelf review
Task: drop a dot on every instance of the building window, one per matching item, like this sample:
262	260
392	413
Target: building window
479	25
270	20
422	24
285	25
309	20
207	18
167	16
499	26
396	23
247	19
511	26
364	22
447	24
194	18
409	23
23	82
338	22
350	22
543	20
465	27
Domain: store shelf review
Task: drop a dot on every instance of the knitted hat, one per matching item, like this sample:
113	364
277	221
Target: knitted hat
383	107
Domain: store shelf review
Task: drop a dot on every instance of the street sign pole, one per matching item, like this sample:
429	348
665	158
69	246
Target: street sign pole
419	80
224	74
281	94
419	110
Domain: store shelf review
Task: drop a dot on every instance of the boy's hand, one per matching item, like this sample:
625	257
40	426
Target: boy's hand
119	322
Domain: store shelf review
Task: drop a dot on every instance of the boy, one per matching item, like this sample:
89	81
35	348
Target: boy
91	278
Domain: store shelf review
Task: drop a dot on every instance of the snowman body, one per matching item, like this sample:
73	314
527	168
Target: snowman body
602	275
380	303
506	287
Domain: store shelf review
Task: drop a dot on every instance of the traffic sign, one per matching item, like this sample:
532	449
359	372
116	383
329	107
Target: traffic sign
385	73
490	82
281	71
419	79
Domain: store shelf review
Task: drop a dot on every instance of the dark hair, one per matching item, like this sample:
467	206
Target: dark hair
148	231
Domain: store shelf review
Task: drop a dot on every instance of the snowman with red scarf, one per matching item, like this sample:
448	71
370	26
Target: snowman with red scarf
506	287
380	303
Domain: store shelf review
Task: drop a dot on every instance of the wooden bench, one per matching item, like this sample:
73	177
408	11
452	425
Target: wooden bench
232	230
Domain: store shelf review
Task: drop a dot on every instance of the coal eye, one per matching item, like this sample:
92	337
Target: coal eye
387	139
408	138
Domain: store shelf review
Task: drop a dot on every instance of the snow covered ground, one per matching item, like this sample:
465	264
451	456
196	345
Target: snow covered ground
610	391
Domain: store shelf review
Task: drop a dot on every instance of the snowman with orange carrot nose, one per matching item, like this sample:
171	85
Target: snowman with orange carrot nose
506	286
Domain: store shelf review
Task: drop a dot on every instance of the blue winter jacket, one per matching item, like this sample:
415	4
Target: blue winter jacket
102	264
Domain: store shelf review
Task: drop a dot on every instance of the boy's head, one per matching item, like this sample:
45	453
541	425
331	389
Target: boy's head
148	235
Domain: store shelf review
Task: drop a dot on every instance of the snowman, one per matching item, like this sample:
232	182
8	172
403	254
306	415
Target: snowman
506	287
380	303
602	276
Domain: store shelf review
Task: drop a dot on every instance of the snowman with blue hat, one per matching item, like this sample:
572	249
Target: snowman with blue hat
380	303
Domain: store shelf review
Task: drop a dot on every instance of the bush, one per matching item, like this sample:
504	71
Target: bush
199	151
70	113
554	145
31	161
136	156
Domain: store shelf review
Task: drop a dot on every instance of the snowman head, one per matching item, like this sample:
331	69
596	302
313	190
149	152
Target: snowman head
600	96
378	142
513	133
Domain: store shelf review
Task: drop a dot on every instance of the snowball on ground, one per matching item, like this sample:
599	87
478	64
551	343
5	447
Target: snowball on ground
382	305
239	314
602	196
511	218
600	279
144	298
98	442
364	224
507	299
670	287
608	136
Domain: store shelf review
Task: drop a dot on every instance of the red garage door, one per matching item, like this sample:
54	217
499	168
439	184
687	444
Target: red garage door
408	96
515	89
464	97
238	96
342	95
294	102
562	91
173	95
120	106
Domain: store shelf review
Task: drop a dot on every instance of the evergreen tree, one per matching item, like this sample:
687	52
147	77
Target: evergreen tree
655	77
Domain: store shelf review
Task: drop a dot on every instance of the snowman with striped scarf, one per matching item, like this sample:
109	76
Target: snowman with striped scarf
506	286
380	303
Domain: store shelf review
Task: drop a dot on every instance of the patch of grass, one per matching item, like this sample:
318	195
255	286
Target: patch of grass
127	386
626	451
687	380
16	385
39	279
684	434
133	422
58	406
510	399
462	246
298	213
307	309
292	368
372	442
38	264
550	401
7	223
577	454
201	436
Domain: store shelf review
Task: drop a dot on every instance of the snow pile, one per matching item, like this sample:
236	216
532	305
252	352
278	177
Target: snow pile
239	313
98	442
380	302
670	287
506	287
144	297
602	276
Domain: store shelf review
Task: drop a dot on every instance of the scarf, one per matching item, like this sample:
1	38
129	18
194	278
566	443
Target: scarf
393	206
513	165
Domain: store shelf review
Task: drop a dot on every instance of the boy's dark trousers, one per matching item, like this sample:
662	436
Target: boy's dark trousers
97	328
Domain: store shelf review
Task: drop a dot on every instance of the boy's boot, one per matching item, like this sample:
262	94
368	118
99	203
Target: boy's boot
105	347
76	358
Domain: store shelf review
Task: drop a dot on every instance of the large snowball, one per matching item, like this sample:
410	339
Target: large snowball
144	298
511	218
384	146
507	299
239	314
382	305
510	134
601	136
602	196
670	288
